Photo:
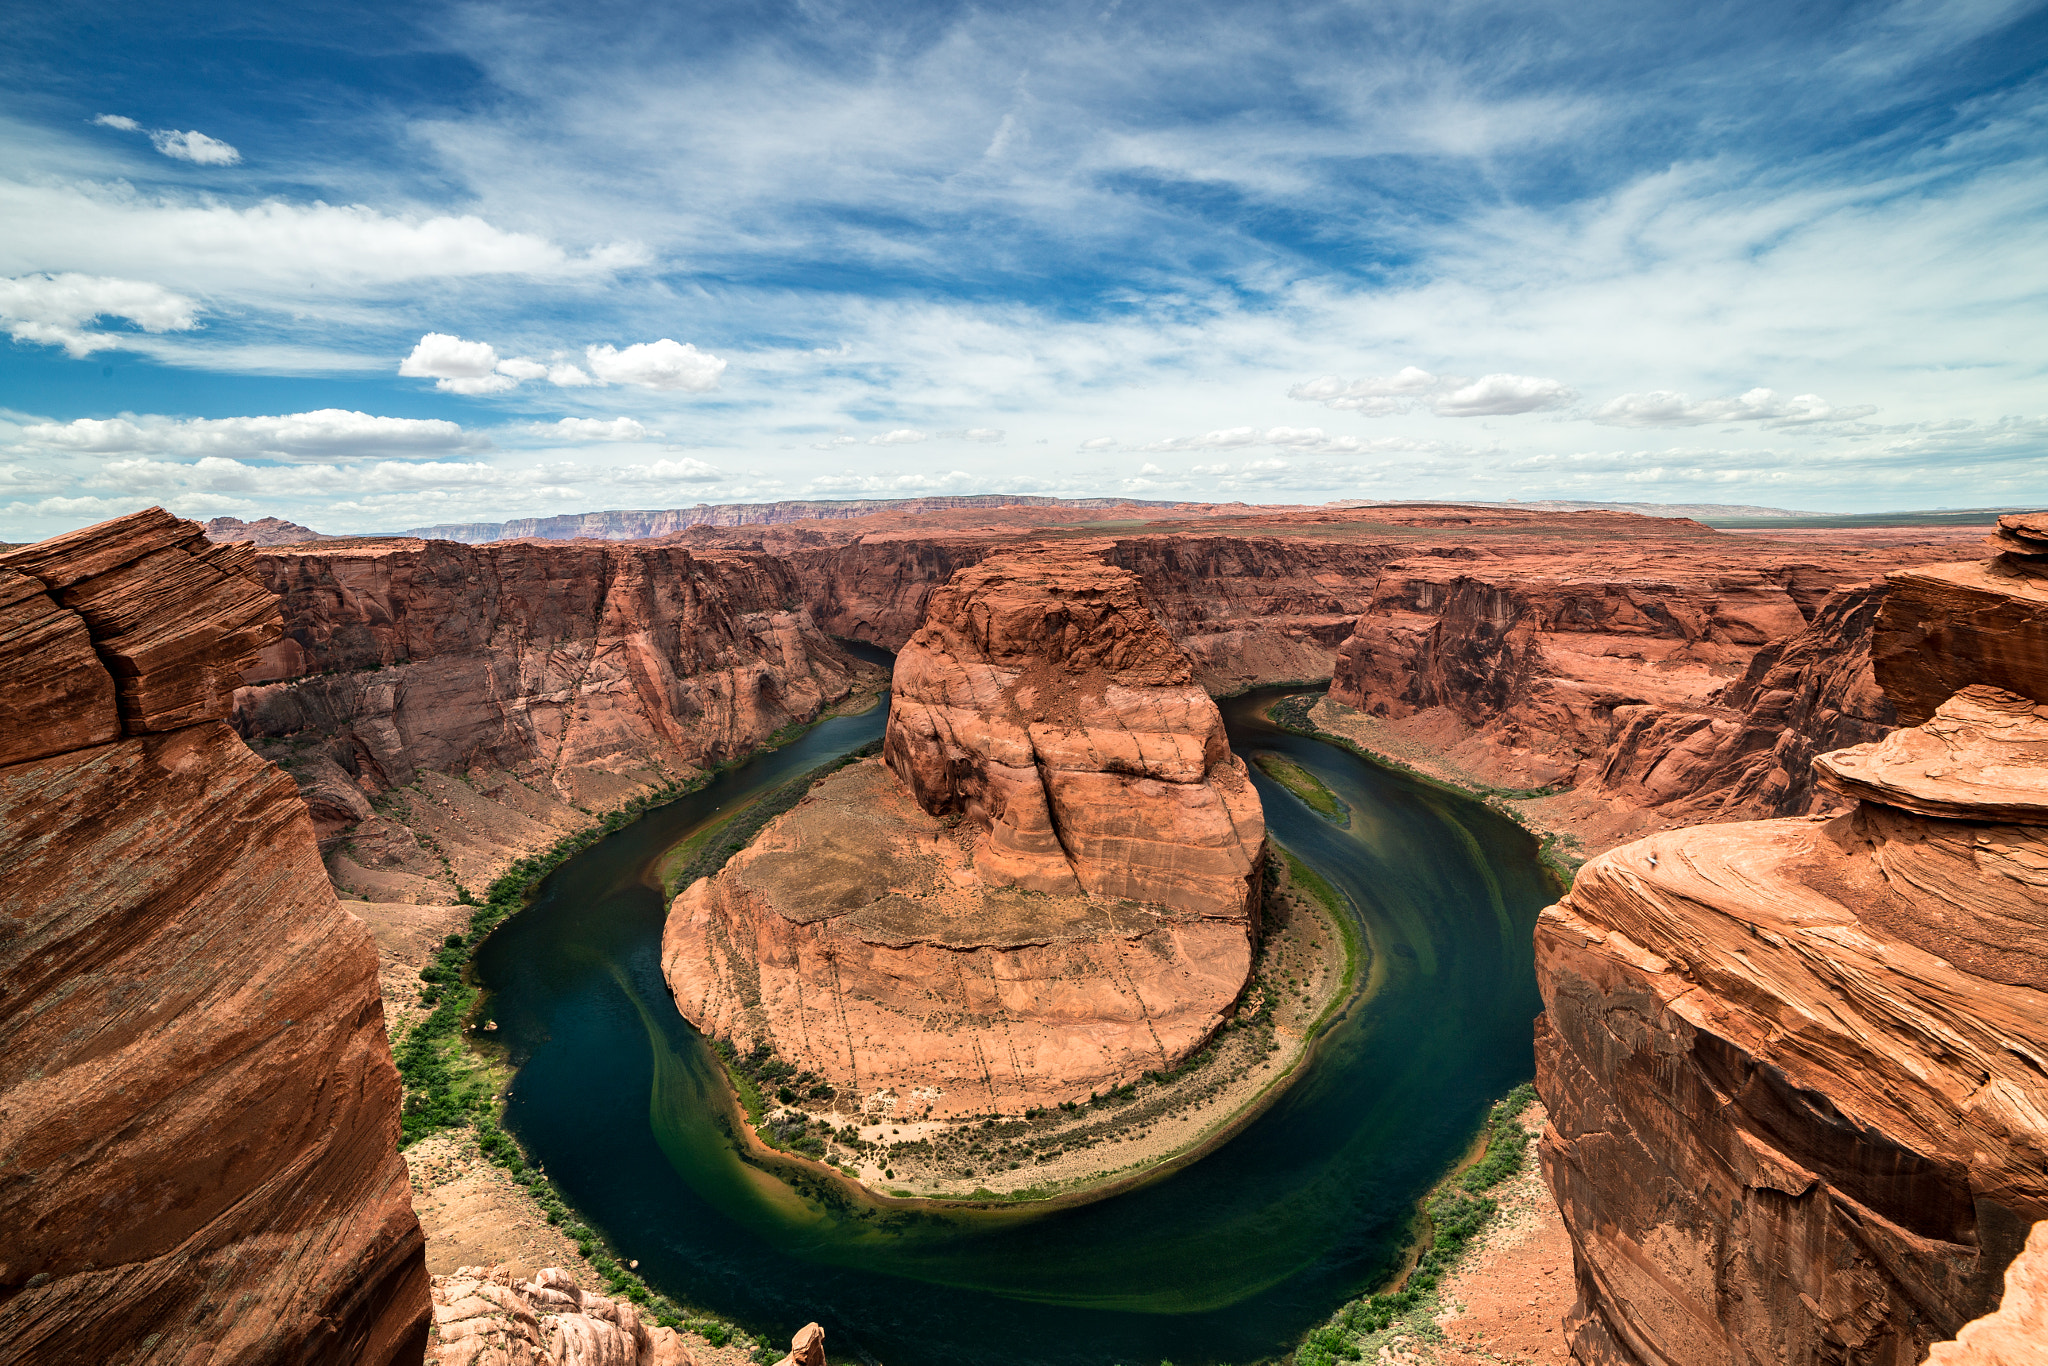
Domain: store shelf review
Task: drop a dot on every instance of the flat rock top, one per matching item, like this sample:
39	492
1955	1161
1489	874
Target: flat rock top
1981	757
858	849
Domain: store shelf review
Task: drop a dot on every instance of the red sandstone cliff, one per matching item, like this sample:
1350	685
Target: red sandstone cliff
1049	888
197	1103
1699	682
1797	1070
592	671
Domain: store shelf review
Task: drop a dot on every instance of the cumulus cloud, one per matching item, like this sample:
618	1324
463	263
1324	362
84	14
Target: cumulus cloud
1447	395
902	436
326	432
664	364
474	367
594	429
1662	408
193	146
984	434
1500	396
461	367
834	442
1099	443
56	309
688	470
120	121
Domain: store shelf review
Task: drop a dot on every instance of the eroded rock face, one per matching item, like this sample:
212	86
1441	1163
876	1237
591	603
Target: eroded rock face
2016	1333
1048	888
594	670
197	1101
486	1316
858	937
1794	1068
1699	682
1042	703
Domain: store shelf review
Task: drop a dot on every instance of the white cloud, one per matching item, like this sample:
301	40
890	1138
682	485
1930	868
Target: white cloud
194	146
55	309
595	429
664	364
1374	396
568	376
1501	395
317	253
461	367
687	470
120	121
1099	443
902	436
833	443
518	367
1662	408
328	432
1289	438
1447	395
984	434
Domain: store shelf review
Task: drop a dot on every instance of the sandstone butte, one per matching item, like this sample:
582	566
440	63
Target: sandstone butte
1797	1070
197	1104
1048	886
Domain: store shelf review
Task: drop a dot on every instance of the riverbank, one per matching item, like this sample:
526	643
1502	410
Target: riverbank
1312	962
1492	1280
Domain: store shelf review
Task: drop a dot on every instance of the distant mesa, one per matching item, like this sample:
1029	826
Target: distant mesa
267	531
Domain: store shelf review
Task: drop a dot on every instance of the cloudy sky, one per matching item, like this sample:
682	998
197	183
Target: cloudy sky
390	265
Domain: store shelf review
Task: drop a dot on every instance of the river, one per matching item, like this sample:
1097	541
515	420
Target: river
1230	1259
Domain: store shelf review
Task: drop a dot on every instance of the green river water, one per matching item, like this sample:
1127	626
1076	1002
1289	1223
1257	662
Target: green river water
1229	1259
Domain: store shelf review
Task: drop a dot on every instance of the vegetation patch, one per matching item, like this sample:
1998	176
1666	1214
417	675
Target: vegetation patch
1304	785
1452	1216
448	1085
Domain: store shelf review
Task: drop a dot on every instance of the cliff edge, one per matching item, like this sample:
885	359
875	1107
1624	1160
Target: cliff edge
1797	1070
197	1102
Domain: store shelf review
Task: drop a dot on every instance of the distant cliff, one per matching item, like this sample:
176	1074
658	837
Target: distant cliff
633	526
198	1108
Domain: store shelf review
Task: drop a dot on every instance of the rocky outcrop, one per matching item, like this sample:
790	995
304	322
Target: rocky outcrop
1699	683
486	1316
1048	888
1946	626
1797	1070
593	671
1043	704
264	531
197	1102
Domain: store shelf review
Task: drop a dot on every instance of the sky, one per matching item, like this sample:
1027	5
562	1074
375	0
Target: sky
375	266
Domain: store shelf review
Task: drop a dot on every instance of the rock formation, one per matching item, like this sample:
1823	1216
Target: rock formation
1797	1070
2016	1333
197	1103
485	1316
1700	684
264	531
1049	888
594	671
1042	703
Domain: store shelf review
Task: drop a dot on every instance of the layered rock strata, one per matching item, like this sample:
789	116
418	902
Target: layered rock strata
197	1102
592	671
1797	1070
1048	888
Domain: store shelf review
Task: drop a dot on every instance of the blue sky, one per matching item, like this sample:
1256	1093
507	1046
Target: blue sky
378	266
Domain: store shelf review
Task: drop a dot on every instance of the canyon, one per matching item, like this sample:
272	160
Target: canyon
1797	1070
1047	886
1816	1038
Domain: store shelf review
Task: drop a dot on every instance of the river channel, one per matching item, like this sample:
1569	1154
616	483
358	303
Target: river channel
1228	1260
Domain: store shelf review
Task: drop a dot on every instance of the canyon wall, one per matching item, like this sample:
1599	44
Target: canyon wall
1049	886
1797	1070
589	672
1697	682
197	1101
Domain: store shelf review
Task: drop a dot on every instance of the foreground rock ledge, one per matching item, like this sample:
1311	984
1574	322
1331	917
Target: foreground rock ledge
1797	1070
197	1103
1049	888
